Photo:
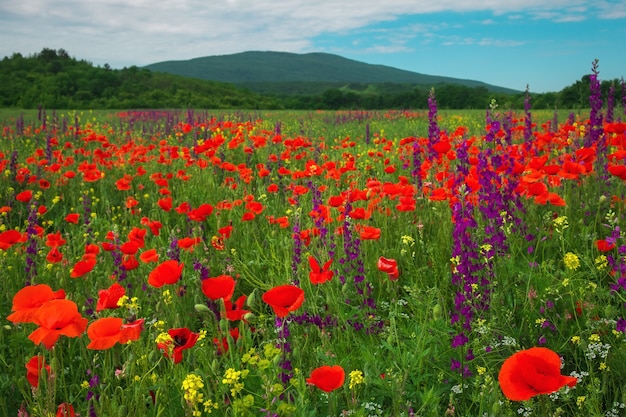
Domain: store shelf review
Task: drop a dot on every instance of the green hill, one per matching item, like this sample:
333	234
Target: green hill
312	73
53	79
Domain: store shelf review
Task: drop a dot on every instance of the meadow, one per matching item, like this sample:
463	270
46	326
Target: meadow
191	263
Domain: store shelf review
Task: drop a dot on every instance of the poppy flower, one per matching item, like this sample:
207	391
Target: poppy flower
182	339
319	275
218	287
531	372
54	255
65	410
390	266
104	333
201	213
188	243
222	345
57	318
34	366
28	300
604	245
9	238
283	299
369	233
24	196
235	311
167	272
149	255
327	378
129	262
82	267
165	203
54	240
108	298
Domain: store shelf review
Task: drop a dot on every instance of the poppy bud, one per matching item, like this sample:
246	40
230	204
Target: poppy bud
202	308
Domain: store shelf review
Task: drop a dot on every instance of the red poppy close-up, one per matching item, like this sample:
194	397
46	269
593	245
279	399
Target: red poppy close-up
317	274
9	238
284	299
182	339
104	333
220	287
167	272
234	311
65	410
34	368
57	318
389	266
28	300
108	298
83	267
532	372
327	378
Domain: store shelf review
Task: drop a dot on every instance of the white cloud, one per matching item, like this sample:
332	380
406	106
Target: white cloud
140	32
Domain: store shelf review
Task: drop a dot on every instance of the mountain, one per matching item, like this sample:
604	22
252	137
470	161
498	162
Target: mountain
281	71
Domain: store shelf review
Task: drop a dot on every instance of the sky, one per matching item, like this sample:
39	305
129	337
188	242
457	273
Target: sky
543	44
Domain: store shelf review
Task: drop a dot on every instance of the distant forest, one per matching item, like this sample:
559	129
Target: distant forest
54	80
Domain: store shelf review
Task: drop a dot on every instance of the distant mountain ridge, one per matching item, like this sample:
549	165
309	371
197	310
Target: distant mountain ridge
254	68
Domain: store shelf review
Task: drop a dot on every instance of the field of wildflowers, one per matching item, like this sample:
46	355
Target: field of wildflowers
164	263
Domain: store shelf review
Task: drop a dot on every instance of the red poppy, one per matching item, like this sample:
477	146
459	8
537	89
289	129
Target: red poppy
604	245
165	203
108	298
82	267
319	275
222	345
65	410
132	331
57	318
369	233
201	213
167	272
54	255
182	339
222	286
129	262
283	299
9	238
327	378
138	235
531	372
33	369
28	300
130	248
24	196
54	240
390	266
104	333
72	218
188	243
149	255
235	311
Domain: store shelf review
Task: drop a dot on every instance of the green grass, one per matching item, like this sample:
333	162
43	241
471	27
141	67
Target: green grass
398	334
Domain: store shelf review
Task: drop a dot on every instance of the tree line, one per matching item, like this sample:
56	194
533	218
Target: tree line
53	79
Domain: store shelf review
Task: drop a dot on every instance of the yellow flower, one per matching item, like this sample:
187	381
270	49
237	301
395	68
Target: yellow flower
575	340
571	261
560	223
356	378
601	262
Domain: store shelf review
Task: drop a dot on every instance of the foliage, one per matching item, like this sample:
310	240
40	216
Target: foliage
53	79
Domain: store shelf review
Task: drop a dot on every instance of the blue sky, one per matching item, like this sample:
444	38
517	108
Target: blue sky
545	44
